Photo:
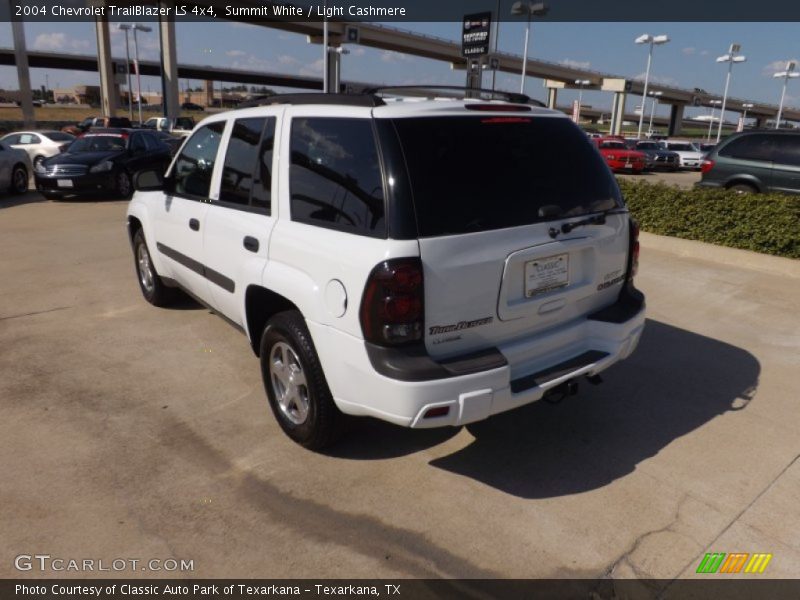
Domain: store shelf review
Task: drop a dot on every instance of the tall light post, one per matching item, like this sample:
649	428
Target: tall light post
530	9
655	96
653	40
714	104
145	29
125	27
580	83
731	57
745	106
789	73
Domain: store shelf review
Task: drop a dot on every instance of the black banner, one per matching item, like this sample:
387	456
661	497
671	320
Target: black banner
389	11
711	587
476	34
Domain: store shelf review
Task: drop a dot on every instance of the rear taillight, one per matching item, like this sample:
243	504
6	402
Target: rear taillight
392	307
706	165
634	250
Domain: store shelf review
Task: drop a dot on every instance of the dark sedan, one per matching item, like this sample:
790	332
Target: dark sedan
102	161
655	156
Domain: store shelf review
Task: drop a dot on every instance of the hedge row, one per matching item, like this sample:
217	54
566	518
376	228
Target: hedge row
767	223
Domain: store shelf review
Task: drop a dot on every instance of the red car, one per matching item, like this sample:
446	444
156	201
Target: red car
618	157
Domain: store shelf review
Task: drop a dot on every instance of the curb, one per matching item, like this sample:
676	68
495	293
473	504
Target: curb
776	265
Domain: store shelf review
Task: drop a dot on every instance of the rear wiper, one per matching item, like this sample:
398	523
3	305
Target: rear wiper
567	227
593	220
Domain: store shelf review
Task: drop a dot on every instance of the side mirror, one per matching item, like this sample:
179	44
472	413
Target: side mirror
150	180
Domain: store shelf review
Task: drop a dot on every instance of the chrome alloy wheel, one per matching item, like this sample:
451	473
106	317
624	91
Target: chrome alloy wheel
289	383
146	276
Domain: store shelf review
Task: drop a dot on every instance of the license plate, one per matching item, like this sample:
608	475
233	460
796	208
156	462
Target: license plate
628	166
64	183
546	274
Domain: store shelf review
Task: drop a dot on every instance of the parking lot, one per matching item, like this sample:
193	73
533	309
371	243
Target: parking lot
683	179
131	431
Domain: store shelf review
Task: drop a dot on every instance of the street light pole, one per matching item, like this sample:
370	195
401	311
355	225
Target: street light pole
325	57
731	57
529	9
655	96
136	27
786	75
652	40
714	104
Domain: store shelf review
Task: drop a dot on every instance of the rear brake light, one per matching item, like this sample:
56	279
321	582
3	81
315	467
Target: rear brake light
392	307
498	107
706	166
634	250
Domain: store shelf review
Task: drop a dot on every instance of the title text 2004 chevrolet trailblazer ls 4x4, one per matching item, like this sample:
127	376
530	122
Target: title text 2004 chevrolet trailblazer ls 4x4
427	262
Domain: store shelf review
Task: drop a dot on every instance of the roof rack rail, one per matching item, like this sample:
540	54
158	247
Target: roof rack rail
314	98
480	93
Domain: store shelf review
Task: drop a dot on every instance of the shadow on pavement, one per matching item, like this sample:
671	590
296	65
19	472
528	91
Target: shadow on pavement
674	383
29	197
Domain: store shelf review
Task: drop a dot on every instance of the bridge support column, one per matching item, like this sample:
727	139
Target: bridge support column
617	113
23	74
552	97
170	84
759	123
675	119
108	98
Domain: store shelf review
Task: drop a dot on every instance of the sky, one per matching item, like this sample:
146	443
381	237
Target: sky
688	60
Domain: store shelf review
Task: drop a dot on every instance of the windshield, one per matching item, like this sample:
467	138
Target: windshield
491	172
682	147
98	143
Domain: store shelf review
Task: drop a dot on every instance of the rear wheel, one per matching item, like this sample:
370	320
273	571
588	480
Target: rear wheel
153	289
19	180
295	383
742	188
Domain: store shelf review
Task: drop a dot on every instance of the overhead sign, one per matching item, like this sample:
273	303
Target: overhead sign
475	34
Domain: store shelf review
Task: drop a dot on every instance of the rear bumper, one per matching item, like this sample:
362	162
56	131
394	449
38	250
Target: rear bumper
515	374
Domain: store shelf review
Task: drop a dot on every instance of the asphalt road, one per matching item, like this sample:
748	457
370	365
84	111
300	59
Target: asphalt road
136	432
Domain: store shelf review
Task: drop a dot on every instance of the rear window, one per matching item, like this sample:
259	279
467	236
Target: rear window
98	143
682	147
472	174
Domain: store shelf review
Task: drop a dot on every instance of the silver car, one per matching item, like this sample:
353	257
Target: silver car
15	168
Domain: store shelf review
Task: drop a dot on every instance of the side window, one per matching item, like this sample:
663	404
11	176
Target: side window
238	172
29	138
262	186
750	147
335	176
11	140
137	144
787	150
195	164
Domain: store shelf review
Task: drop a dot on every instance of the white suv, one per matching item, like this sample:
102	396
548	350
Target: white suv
426	262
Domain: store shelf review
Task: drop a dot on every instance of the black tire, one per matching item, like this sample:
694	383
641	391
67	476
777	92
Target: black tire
19	180
742	188
51	196
153	289
123	186
307	414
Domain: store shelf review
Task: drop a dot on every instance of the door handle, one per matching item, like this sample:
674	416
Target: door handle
194	224
250	243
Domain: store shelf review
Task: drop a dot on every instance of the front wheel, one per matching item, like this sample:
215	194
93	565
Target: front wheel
123	185
153	289
295	383
19	180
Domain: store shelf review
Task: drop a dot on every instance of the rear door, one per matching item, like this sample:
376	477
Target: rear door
749	157
491	194
240	217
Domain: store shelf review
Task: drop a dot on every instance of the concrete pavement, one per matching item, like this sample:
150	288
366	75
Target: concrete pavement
130	431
